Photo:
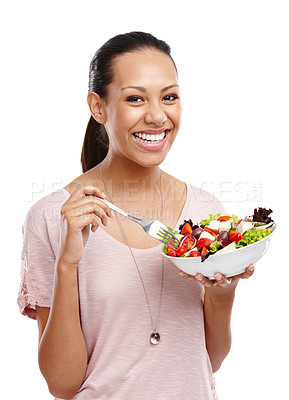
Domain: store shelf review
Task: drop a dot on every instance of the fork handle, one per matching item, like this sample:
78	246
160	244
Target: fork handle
120	211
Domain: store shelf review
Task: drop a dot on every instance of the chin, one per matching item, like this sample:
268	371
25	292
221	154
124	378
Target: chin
150	160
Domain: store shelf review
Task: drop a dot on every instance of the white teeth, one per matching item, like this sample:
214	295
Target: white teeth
143	137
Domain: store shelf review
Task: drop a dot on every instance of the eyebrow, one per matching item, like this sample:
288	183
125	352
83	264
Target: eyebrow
142	89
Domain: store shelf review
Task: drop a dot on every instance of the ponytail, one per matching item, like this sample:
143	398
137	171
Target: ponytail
95	145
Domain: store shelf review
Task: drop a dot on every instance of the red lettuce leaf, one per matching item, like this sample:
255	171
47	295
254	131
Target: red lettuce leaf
262	215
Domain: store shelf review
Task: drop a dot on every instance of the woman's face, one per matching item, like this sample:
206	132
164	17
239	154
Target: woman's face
142	107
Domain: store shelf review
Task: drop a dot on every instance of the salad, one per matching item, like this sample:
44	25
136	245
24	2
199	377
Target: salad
219	234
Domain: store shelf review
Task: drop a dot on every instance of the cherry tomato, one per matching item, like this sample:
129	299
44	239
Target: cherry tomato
239	237
172	252
194	253
180	251
235	236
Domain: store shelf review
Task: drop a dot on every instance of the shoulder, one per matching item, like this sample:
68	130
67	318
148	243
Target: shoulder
45	211
87	178
204	202
194	194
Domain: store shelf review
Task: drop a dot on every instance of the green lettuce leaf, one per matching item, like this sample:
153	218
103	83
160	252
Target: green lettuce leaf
165	249
214	246
253	235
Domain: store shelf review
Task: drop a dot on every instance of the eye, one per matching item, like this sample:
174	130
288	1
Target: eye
134	99
171	97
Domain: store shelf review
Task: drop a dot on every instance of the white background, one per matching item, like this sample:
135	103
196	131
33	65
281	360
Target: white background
232	58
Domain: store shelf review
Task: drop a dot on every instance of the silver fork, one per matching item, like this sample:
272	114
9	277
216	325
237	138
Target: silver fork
153	227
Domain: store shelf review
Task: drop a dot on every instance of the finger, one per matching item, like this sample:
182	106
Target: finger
96	221
186	276
222	280
248	272
88	203
88	208
102	204
81	191
205	281
80	222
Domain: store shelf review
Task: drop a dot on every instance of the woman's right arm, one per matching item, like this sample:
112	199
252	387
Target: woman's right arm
62	350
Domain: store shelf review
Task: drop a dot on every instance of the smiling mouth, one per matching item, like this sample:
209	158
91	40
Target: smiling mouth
150	137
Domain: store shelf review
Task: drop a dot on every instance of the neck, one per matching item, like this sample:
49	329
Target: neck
120	170
126	179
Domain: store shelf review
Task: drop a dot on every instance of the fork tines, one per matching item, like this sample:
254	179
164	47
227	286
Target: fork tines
168	237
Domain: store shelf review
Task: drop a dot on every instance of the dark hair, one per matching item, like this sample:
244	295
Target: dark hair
95	144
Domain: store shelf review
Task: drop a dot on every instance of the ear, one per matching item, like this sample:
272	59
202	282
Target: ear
96	106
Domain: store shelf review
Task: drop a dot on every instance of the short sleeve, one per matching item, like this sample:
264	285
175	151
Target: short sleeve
41	241
37	274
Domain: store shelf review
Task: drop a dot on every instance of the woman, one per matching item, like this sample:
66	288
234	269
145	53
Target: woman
115	320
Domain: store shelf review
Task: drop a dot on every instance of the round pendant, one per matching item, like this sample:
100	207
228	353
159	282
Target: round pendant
155	338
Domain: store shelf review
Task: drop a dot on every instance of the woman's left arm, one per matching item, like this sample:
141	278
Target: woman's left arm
218	303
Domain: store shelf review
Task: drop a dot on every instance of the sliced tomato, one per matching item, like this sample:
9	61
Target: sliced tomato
224	218
194	253
235	236
204	242
189	242
204	250
180	251
186	229
211	231
172	252
238	238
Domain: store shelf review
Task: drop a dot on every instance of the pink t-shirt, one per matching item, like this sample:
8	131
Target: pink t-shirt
122	364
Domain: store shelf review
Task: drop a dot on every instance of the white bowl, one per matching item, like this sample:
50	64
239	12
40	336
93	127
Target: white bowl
229	264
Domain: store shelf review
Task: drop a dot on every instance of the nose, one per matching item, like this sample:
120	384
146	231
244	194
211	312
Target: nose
155	114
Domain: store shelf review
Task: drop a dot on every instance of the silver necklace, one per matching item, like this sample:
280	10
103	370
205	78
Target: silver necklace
155	336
